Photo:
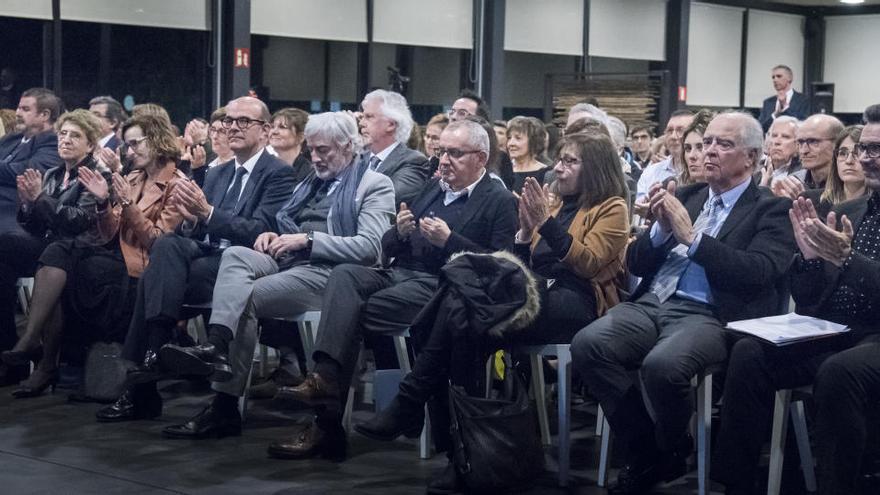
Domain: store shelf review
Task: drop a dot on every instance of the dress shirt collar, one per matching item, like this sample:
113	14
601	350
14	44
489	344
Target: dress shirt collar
251	162
453	195
731	196
104	140
382	155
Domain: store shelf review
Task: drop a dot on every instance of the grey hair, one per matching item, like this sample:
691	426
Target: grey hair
786	68
339	127
591	110
786	119
617	130
751	134
394	107
477	138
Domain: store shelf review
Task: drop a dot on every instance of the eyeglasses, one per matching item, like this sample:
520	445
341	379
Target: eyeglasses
811	143
568	162
722	144
136	142
458	112
872	150
242	122
454	153
845	153
216	130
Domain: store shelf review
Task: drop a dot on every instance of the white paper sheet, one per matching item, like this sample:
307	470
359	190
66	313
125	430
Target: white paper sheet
788	329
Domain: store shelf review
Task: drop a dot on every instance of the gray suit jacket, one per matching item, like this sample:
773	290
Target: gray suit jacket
375	198
408	170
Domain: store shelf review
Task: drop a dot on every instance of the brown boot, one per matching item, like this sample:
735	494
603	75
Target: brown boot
311	442
314	390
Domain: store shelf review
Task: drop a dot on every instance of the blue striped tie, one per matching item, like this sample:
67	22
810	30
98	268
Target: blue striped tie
666	281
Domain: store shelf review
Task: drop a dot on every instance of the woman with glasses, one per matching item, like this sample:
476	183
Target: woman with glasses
846	180
287	138
574	244
525	143
692	148
53	206
86	289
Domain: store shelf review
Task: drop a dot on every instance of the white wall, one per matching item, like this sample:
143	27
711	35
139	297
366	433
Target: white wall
773	39
30	9
343	20
633	29
424	22
180	14
544	27
851	61
714	54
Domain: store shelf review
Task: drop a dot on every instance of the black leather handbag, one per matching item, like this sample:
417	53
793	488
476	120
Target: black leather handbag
497	448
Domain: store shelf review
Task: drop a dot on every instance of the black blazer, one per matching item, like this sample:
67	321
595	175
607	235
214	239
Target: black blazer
487	223
40	153
799	108
267	189
408	170
812	288
744	264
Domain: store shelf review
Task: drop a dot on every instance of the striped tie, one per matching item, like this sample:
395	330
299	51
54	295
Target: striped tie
666	281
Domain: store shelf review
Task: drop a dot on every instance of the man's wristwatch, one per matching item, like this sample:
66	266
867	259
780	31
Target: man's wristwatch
310	239
124	202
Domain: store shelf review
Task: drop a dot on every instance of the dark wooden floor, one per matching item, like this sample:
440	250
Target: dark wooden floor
48	445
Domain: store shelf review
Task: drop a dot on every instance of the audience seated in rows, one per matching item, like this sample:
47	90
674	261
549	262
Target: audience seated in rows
239	202
716	253
53	207
463	210
835	277
575	238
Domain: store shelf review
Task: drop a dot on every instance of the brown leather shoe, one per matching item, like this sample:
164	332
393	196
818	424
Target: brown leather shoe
314	390
279	378
312	441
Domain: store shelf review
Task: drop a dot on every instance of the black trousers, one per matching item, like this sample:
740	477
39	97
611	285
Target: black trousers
440	358
181	270
846	377
19	253
669	344
362	301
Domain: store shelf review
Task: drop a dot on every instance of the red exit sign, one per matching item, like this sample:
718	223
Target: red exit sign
242	58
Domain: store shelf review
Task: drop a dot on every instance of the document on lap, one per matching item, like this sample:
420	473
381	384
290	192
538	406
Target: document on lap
788	329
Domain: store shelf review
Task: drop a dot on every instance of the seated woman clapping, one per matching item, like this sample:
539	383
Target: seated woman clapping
573	241
85	287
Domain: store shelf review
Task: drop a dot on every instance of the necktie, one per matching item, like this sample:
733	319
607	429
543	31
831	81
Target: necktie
231	198
374	162
666	281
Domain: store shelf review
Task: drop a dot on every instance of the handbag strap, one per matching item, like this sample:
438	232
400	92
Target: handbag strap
459	452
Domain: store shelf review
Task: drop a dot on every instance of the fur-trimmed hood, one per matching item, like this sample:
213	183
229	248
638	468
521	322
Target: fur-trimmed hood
502	283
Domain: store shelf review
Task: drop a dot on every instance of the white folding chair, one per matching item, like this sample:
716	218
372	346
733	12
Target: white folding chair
782	405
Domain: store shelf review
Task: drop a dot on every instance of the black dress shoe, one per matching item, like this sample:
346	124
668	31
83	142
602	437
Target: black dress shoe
312	441
641	474
314	390
401	417
199	360
446	482
208	423
131	406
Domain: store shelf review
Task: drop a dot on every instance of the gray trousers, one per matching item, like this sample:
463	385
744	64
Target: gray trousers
668	343
249	286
